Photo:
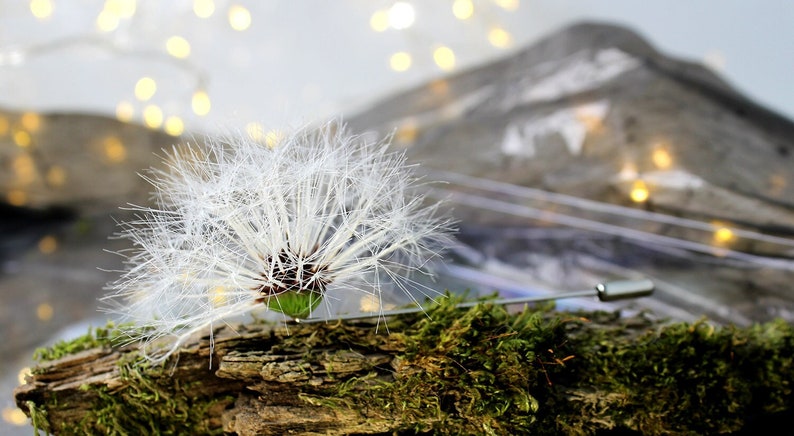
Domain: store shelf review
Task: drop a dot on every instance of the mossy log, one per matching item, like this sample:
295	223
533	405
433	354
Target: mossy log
481	370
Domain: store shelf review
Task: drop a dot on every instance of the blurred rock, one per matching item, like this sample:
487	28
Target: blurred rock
80	162
590	110
593	111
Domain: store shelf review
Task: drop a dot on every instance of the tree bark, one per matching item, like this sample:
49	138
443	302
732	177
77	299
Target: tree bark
475	371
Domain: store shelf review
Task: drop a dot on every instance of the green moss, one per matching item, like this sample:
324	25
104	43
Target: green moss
38	417
475	371
96	337
148	405
483	370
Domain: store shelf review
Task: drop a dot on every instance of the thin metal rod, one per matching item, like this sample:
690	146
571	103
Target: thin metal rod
604	291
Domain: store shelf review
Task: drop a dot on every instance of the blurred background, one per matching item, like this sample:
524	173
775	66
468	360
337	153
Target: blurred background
656	143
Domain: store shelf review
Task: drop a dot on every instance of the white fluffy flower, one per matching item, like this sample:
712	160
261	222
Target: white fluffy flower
238	225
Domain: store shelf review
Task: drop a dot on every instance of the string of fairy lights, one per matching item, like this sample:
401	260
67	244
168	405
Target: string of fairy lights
399	16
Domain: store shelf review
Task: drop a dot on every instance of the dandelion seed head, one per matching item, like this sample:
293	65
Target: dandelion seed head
237	225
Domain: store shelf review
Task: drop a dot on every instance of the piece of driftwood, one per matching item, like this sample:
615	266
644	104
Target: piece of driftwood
481	370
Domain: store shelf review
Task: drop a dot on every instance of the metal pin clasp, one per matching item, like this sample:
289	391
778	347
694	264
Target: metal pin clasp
623	289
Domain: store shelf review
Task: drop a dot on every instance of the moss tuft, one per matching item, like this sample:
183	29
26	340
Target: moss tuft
96	337
149	405
484	370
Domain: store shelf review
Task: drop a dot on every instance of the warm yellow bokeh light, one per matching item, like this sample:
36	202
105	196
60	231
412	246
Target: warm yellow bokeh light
22	138
723	235
22	375
121	8
639	192
114	149
273	138
201	103
444	58
174	126
145	88
203	8
56	176
463	9
439	87
14	416
107	21
124	111
31	121
178	47
370	303
5	126
218	296
24	169
662	158
48	244
510	5
401	15
379	21
406	133
152	116
592	119
499	37
239	18
400	61
41	9
44	312
255	131
16	197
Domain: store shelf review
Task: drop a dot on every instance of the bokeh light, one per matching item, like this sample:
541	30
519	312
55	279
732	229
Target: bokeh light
508	5
44	312
723	235
201	103
124	111
203	8
444	58
379	21
22	138
174	126
31	121
273	138
499	37
121	8
14	416
661	157
145	88
400	61
152	116
255	131
178	47
639	192
107	21
401	15
463	9
41	9
17	197
114	149
239	18
56	176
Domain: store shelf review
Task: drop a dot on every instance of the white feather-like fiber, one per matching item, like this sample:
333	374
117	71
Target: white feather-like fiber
336	212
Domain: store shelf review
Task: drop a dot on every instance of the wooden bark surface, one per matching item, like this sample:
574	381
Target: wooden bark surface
271	391
475	371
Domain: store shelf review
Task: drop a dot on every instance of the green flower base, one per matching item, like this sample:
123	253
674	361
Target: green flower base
298	305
